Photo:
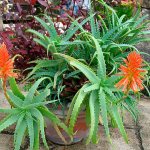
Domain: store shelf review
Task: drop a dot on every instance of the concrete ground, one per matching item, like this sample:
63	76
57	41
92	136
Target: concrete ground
138	134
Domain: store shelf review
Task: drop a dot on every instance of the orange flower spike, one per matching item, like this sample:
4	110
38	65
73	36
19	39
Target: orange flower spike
6	64
4	56
132	73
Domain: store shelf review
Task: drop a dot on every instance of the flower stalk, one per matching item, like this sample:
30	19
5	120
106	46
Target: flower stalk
5	93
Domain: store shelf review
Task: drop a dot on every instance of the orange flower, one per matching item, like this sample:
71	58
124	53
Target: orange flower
4	56
132	73
6	64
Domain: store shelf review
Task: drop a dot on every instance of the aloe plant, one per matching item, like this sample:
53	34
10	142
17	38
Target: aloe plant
99	96
29	115
116	35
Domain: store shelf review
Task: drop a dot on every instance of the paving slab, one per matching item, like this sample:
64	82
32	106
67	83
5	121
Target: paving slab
6	142
117	142
144	123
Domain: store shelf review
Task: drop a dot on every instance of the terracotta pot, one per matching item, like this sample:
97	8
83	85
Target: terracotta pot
80	130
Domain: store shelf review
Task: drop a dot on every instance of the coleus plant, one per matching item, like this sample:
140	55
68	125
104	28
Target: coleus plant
28	111
101	97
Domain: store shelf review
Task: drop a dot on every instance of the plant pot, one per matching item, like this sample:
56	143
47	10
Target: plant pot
80	130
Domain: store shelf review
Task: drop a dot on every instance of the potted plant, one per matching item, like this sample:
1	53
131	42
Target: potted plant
97	54
27	112
80	74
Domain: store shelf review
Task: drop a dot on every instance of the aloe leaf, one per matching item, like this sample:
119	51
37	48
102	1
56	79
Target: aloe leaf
103	103
41	42
18	126
119	122
58	73
75	42
42	96
30	127
30	106
48	28
138	40
52	30
71	107
82	67
46	113
9	111
15	100
131	106
93	98
40	74
72	74
78	102
20	135
101	60
110	94
6	122
139	21
38	34
30	95
97	114
74	27
104	26
92	88
36	134
93	27
35	112
43	64
15	89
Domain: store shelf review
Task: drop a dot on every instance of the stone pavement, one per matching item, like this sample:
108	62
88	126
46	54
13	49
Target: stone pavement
138	134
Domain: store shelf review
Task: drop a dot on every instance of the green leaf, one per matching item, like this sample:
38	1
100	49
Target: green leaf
119	122
71	107
52	30
140	21
74	27
15	100
20	133
44	64
93	98
97	114
46	113
38	34
92	88
58	73
30	95
18	126
6	122
15	89
41	42
88	72
93	27
10	111
103	103
101	61
79	100
42	96
36	134
30	106
110	94
30	126
35	112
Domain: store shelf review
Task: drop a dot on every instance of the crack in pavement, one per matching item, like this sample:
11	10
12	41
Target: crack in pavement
138	135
